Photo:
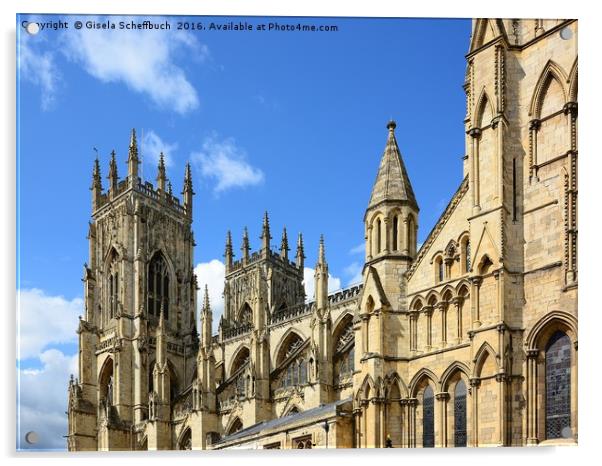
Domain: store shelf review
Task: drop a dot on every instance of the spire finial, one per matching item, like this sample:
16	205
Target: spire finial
161	177
133	160
206	305
321	253
284	249
96	177
228	254
187	191
245	246
265	233
391	125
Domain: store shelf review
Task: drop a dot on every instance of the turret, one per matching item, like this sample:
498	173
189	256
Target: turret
113	176
300	257
284	249
133	160
161	177
188	192
391	218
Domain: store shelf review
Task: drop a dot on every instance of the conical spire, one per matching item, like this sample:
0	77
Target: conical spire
392	181
245	248
284	249
206	306
133	160
113	176
161	177
188	192
265	233
300	257
228	254
321	277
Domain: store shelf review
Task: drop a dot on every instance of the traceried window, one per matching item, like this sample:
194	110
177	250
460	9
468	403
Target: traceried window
112	284
344	357
558	386
428	418
460	415
294	373
246	315
158	286
303	442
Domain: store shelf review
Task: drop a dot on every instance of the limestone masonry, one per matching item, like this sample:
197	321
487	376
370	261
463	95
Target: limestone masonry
469	341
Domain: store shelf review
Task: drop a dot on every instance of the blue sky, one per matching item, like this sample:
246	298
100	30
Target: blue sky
289	122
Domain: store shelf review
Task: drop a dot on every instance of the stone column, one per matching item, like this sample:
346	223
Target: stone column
404	422
380	409
499	279
532	355
475	133
406	237
457	302
474	294
428	312
474	393
411	403
365	320
369	252
441	419
357	417
501	379
443	309
534	126
413	316
387	235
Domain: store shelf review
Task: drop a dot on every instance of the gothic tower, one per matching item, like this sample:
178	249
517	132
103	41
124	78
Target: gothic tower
138	337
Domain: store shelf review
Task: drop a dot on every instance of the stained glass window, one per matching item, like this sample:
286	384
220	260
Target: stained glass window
460	414
158	286
428	418
558	386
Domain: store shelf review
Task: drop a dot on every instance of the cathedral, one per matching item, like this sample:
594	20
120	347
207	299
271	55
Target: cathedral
469	340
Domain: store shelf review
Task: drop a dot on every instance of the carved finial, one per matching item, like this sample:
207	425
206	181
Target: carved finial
265	233
391	125
245	248
161	177
300	252
284	249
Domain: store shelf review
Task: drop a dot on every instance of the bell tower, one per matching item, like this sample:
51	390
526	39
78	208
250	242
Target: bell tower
138	337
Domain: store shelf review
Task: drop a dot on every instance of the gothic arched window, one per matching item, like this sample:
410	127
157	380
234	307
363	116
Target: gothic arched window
158	286
558	386
395	233
378	236
344	351
428	418
460	414
112	286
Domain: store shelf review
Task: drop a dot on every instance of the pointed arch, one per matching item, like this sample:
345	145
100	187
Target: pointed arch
234	425
463	288
366	388
483	110
417	303
485	264
482	356
245	313
105	378
291	337
393	379
160	284
420	377
485	31
547	325
551	71
448	293
432	297
573	83
239	358
184	441
451	371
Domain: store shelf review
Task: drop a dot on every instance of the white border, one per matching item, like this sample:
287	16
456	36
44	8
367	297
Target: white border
590	199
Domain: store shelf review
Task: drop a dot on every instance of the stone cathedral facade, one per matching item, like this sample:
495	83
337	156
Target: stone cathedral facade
469	340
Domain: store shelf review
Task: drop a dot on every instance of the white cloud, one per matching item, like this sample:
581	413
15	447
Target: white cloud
44	320
143	60
152	145
212	274
334	283
358	249
42	400
354	271
40	69
227	163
